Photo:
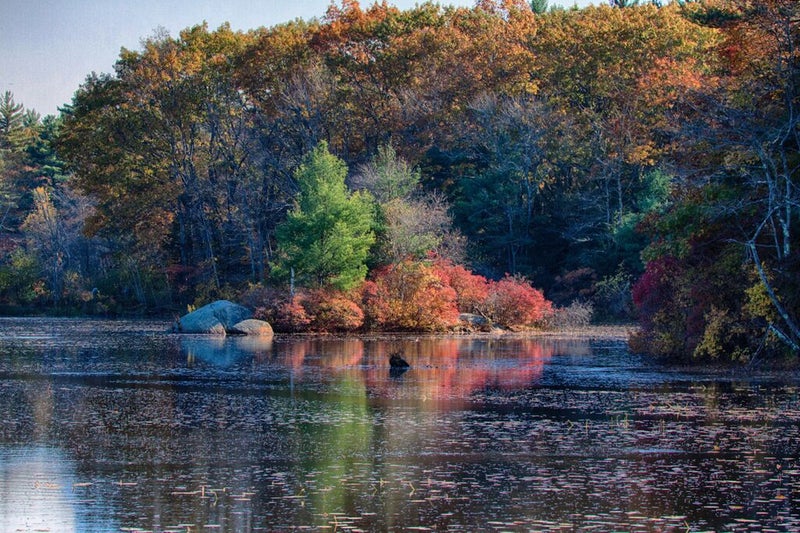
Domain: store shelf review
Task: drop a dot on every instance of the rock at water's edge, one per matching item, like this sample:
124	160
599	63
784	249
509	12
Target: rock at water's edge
252	327
472	322
215	318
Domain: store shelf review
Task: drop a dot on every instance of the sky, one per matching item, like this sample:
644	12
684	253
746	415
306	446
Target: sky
48	47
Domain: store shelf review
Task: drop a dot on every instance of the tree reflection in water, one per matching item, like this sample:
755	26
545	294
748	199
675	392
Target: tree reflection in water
441	368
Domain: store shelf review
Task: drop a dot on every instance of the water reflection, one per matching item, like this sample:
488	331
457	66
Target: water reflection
140	430
441	368
223	352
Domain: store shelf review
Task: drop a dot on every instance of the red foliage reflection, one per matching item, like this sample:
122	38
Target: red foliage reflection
441	368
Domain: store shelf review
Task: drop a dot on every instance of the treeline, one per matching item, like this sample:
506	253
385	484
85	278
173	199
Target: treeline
635	159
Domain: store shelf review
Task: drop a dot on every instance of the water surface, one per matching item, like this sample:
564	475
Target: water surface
117	426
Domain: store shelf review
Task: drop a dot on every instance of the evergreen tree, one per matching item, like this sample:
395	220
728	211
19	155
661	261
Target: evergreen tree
11	121
326	237
6	196
12	117
539	6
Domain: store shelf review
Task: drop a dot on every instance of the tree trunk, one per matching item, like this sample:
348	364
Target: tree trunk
792	339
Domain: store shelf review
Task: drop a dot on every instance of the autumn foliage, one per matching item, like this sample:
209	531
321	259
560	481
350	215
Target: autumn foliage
513	302
319	310
425	296
471	289
409	296
582	148
285	314
333	311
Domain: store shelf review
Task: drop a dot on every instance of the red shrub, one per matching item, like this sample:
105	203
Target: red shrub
471	289
656	287
291	316
407	296
284	313
374	302
512	302
323	311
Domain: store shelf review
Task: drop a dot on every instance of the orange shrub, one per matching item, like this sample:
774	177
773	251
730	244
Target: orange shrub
332	311
409	296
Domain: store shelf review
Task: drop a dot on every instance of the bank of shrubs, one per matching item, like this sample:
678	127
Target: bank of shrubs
713	308
427	296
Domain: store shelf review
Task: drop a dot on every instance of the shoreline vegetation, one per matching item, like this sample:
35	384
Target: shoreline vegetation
386	169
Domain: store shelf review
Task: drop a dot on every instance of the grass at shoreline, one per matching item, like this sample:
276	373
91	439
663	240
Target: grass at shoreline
619	332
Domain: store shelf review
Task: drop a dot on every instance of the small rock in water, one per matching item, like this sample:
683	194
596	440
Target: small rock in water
395	361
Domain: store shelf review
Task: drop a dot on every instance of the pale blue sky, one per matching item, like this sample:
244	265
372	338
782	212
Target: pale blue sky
47	47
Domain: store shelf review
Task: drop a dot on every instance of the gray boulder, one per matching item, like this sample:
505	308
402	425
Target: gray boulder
252	327
472	322
216	318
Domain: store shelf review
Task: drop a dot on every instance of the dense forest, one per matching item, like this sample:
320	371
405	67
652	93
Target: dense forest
381	168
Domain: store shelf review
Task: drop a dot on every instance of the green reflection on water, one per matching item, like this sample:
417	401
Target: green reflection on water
340	452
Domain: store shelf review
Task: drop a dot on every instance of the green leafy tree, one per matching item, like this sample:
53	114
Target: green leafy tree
20	283
412	223
327	236
387	177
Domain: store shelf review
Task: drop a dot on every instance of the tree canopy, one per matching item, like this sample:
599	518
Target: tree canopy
632	153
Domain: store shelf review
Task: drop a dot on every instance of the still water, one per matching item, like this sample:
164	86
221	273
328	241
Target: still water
116	426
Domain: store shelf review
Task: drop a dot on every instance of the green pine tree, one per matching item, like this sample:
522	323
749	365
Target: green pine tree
327	236
12	115
539	6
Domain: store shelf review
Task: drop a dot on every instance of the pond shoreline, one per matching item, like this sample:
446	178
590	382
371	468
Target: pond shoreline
617	333
600	332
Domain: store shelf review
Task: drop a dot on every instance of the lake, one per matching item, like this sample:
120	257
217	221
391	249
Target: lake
117	426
